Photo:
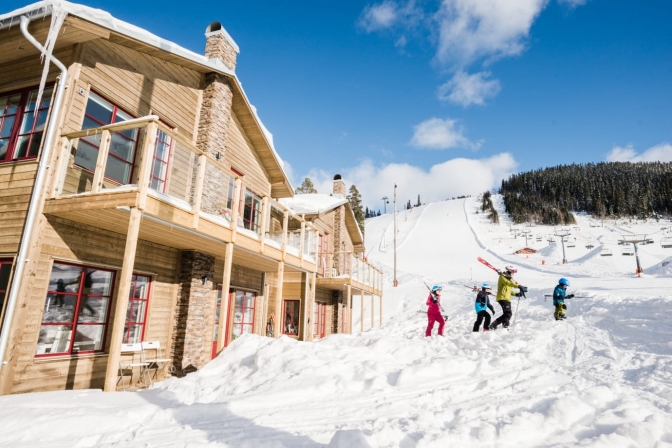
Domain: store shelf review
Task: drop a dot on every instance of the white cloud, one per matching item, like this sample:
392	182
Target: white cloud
473	29
380	16
572	3
658	153
465	89
436	133
454	177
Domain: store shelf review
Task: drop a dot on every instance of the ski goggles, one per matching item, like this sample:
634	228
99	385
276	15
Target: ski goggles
512	271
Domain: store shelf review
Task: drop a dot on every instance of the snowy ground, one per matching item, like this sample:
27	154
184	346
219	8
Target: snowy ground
602	378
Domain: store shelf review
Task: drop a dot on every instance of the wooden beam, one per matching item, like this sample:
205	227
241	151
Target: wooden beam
114	127
278	301
224	306
119	318
198	190
101	162
373	310
381	310
348	302
285	226
145	168
361	317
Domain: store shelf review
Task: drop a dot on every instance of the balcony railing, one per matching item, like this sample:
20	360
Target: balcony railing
346	264
145	156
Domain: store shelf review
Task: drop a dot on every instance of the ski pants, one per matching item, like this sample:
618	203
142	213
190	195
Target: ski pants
434	318
506	314
482	315
560	311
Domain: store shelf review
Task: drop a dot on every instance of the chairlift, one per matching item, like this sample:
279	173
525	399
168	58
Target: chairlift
589	246
606	253
628	251
666	242
570	244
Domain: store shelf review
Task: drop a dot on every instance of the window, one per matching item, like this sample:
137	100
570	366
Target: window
290	324
5	270
159	174
22	123
319	320
243	313
75	310
252	212
229	196
136	313
218	310
100	112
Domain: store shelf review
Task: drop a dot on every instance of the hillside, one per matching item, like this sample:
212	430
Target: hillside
602	378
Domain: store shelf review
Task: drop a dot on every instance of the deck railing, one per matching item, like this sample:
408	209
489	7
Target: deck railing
146	156
346	264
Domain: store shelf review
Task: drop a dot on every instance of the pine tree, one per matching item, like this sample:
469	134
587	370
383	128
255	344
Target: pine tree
408	205
306	187
419	203
355	200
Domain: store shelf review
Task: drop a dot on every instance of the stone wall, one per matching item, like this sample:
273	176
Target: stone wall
192	336
338	302
217	45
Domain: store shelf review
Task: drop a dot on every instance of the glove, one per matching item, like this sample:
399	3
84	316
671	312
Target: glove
435	301
519	294
571	296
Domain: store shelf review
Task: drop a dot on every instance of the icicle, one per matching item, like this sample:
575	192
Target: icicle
57	17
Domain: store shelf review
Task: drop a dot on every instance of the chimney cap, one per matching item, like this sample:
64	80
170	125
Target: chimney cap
337	177
214	26
217	28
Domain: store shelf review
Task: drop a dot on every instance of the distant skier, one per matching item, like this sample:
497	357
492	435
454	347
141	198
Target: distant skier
559	297
482	306
505	286
434	311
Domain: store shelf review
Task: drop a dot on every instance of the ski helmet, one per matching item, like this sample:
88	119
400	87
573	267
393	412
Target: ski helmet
563	281
510	269
436	288
485	286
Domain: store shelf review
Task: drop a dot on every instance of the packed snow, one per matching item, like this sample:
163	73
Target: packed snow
602	378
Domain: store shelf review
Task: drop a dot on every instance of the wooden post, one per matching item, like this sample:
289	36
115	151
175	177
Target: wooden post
265	212
348	305
285	226
61	168
381	310
198	190
235	208
373	310
361	318
313	293
308	303
278	301
224	306
145	167
119	318
302	241
101	162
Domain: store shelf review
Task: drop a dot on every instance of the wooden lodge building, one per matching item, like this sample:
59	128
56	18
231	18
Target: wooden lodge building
142	199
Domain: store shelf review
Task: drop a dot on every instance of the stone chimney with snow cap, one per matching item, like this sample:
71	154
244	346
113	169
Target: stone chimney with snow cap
339	186
219	45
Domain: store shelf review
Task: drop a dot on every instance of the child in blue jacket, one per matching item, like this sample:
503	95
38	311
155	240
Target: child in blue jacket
482	305
559	297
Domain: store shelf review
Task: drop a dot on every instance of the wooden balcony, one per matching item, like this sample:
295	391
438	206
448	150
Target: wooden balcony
339	270
172	212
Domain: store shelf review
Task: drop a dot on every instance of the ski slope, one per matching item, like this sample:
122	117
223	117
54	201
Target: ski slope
602	378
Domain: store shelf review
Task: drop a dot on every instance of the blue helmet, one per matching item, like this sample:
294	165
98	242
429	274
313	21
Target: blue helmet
563	281
436	288
485	286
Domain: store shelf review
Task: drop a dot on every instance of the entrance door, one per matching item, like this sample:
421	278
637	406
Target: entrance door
319	320
243	305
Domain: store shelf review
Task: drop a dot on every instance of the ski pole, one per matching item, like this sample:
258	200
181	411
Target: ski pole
515	313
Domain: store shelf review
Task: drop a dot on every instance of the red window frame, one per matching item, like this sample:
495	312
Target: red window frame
320	318
5	274
240	310
293	315
159	177
15	133
252	214
74	324
135	302
123	134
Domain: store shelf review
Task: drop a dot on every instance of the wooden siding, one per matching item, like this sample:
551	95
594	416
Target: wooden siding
16	185
65	240
240	154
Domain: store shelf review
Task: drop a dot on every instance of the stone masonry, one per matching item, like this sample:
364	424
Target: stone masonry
339	226
218	45
338	302
192	335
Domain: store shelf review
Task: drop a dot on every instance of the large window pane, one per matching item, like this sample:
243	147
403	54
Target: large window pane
65	278
118	170
92	309
87	154
88	338
7	126
59	308
99	282
99	110
54	339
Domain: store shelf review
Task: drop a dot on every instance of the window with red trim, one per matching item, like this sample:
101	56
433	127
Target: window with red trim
136	313
100	112
229	196
290	324
243	312
22	123
319	320
76	310
252	212
159	174
5	271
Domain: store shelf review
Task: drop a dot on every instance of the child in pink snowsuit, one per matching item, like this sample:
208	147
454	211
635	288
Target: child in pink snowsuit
434	311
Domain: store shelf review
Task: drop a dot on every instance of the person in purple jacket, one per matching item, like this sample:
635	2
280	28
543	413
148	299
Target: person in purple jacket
434	311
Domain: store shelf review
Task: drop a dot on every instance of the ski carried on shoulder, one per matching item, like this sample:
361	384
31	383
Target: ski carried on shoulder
489	265
477	289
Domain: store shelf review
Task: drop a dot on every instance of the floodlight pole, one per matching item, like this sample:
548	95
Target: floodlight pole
562	234
385	202
395	236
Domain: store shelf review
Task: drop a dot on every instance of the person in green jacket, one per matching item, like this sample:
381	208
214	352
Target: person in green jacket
505	287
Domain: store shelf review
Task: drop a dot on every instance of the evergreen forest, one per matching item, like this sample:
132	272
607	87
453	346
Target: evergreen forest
607	189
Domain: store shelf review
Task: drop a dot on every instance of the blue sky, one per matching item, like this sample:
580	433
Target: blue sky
442	97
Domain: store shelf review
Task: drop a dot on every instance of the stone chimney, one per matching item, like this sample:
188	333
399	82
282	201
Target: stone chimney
339	186
219	45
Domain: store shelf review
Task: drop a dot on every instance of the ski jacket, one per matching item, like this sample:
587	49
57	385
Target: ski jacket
483	303
505	288
434	308
559	295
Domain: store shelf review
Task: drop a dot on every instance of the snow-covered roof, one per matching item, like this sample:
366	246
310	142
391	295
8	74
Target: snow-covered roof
106	20
313	204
